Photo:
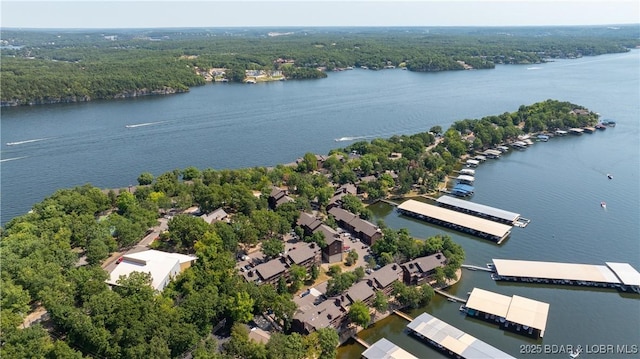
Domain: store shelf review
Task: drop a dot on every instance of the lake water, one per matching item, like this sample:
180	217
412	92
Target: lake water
558	184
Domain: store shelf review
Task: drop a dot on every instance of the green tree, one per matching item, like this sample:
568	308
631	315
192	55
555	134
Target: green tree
315	272
97	251
145	178
297	274
241	307
381	302
272	247
359	314
328	342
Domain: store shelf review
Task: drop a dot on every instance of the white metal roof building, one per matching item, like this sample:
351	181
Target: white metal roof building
479	210
384	349
162	266
466	179
555	271
453	339
517	310
480	227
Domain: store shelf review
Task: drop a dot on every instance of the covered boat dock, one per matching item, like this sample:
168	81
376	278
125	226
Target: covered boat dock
462	190
611	275
462	222
452	340
465	179
482	211
518	314
384	349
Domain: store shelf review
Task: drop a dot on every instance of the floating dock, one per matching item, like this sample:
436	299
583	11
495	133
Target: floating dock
384	349
483	228
452	340
517	314
621	276
483	211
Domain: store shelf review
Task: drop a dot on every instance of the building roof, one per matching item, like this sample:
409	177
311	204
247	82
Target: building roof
270	269
555	270
465	220
217	215
386	275
308	220
157	263
366	227
476	207
384	349
625	272
302	254
515	309
347	188
342	215
320	316
359	291
454	339
466	178
330	234
425	264
259	336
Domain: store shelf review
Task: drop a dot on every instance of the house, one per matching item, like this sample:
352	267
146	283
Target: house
162	266
215	216
305	255
336	200
421	270
332	253
360	291
271	271
308	222
383	278
277	197
366	231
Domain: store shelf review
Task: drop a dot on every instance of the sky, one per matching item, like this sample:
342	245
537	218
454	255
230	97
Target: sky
309	13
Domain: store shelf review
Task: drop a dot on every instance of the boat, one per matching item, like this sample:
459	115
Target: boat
603	204
576	353
609	176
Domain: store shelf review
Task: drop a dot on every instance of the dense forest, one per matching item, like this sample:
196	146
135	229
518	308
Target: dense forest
50	66
41	250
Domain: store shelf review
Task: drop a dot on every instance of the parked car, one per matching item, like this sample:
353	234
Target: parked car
119	260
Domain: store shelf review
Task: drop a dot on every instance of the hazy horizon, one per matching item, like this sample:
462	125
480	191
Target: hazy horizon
149	14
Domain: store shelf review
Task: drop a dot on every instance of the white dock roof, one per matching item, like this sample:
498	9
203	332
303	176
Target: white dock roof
384	349
476	207
555	270
466	178
625	272
454	339
465	220
515	309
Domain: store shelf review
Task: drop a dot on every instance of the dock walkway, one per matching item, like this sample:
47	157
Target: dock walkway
402	315
471	267
451	296
360	341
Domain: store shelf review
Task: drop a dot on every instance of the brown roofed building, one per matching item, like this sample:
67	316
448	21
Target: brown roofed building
308	222
421	270
332	253
327	314
360	291
271	271
366	231
343	217
383	278
277	197
305	255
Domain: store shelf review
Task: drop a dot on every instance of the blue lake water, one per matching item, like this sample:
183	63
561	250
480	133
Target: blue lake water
558	184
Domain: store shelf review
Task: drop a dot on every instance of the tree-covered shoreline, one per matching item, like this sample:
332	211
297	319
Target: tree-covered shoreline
54	66
40	250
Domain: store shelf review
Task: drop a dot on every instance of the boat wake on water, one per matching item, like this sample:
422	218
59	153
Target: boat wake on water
354	138
16	143
144	124
12	159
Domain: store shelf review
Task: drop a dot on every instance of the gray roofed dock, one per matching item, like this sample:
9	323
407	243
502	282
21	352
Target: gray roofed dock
483	211
384	349
480	227
449	338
